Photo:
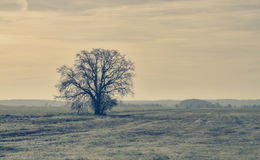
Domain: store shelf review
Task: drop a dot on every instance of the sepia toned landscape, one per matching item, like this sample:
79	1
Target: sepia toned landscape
145	133
129	80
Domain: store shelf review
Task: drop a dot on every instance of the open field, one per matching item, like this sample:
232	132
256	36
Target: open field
130	133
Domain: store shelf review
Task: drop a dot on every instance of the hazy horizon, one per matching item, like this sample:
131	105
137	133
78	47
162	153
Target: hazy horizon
182	49
133	99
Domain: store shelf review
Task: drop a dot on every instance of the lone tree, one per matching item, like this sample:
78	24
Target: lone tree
96	79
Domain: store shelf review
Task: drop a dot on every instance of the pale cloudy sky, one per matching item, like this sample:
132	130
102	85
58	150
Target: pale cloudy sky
182	48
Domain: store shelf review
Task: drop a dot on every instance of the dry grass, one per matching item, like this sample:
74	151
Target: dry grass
129	134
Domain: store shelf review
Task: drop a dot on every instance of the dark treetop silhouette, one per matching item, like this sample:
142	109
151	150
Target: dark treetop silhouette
96	78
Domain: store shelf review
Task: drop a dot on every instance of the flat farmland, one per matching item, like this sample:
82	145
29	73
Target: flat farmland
129	133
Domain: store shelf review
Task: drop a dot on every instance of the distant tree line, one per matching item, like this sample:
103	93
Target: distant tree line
217	105
139	105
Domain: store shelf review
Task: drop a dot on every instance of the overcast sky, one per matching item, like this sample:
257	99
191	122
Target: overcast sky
182	48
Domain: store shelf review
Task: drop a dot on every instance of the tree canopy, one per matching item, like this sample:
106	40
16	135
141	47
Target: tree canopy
96	79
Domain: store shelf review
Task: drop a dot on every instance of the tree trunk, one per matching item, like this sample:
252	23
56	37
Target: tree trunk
98	108
97	111
98	105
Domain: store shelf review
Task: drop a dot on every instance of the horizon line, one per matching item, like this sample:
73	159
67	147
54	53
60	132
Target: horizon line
136	99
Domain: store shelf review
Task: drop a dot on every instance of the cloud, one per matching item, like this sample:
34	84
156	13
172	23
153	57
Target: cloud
187	44
10	5
79	5
24	4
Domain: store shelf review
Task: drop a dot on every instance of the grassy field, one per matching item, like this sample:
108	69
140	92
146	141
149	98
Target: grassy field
53	133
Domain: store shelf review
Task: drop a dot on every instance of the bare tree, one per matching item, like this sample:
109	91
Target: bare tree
97	77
